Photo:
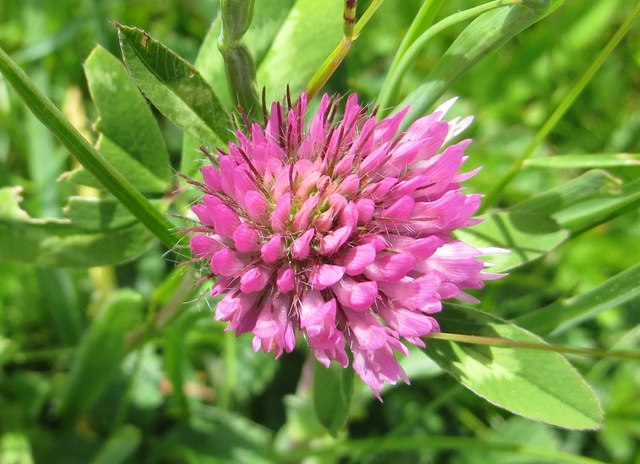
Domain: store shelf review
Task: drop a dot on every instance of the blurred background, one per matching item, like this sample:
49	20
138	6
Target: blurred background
182	390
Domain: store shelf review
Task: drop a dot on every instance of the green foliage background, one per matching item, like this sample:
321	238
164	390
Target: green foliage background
109	364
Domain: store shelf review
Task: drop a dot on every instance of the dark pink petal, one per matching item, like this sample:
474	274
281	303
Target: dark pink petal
399	158
364	143
273	250
203	211
254	279
301	246
366	208
443	168
387	129
204	246
390	267
348	216
413	183
378	241
337	353
303	216
419	128
286	279
256	205
375	367
374	160
203	214
316	313
420	248
211	178
228	167
367	330
402	209
246	238
331	242
325	221
407	323
307	183
273	331
225	220
350	185
356	259
226	263
222	285
413	293
358	296
280	215
456	260
325	275
344	166
378	190
239	309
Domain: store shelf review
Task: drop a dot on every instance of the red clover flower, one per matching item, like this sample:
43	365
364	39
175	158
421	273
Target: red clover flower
339	232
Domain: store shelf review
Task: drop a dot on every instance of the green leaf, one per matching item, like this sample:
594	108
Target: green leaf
246	373
136	172
99	355
119	447
174	86
354	448
125	117
213	435
540	385
332	392
175	355
585	161
114	181
7	349
570	193
60	242
59	296
311	31
589	214
97	214
527	235
482	37
562	315
15	449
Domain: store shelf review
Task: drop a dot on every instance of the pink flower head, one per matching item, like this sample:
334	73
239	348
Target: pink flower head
339	232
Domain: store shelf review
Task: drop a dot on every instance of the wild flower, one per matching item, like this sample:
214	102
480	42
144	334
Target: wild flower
339	232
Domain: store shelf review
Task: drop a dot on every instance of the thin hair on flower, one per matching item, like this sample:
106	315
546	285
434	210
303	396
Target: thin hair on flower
339	231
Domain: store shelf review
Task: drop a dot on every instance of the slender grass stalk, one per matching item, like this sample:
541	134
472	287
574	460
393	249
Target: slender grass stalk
334	59
125	402
562	108
401	63
506	343
231	369
85	153
425	17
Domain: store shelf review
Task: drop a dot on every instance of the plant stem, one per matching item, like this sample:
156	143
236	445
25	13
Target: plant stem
238	62
334	59
562	108
85	153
